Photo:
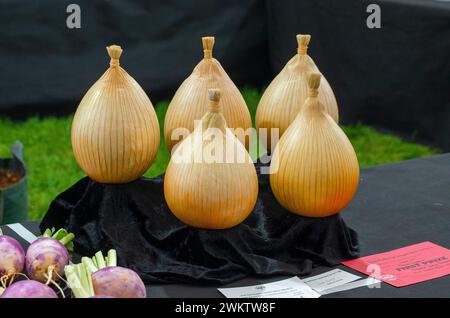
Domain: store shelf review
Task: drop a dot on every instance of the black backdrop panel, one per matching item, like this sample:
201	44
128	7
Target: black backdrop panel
46	66
397	76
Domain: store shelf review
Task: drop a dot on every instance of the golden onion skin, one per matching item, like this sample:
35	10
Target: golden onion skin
284	97
314	168
189	102
205	193
115	132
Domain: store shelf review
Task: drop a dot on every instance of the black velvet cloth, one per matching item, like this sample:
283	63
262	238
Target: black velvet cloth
134	219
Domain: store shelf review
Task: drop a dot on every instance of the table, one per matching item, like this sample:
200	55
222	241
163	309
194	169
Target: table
396	205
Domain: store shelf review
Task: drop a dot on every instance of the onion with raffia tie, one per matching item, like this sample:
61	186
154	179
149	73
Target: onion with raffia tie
285	96
188	104
115	131
314	169
211	181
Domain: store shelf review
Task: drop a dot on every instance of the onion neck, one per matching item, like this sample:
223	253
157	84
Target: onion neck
214	120
114	63
207	54
312	93
214	107
302	50
312	107
208	44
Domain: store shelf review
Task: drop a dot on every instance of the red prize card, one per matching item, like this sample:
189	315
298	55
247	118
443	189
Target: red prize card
407	265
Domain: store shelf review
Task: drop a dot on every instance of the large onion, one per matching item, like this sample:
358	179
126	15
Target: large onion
284	97
189	102
115	131
211	181
314	169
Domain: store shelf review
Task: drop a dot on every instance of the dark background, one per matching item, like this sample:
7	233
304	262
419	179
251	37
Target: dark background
395	78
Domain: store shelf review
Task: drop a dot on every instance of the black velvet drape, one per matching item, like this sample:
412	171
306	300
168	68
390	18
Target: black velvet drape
135	220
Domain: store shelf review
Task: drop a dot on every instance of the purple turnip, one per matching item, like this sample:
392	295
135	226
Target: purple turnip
28	289
47	256
118	282
100	277
112	280
79	279
12	259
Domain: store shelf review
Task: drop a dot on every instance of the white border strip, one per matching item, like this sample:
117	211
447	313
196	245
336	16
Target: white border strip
23	232
359	283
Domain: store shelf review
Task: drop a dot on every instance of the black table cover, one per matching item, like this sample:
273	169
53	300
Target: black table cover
134	219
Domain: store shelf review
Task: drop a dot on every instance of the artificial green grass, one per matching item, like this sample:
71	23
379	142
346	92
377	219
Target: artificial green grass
52	167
